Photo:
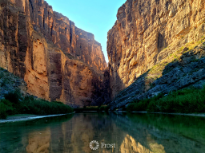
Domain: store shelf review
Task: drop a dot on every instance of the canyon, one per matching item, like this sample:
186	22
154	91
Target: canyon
154	47
57	60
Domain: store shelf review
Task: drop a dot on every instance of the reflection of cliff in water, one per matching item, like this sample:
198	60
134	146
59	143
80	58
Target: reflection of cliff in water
161	133
88	127
131	134
39	141
30	136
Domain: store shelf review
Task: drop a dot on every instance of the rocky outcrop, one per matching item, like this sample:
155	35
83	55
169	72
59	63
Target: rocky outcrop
57	60
146	32
10	83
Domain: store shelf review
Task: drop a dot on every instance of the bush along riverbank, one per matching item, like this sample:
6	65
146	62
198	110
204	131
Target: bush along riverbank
189	100
102	108
14	103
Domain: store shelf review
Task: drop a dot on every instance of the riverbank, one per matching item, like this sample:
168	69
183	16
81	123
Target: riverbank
28	117
190	100
14	104
138	112
179	114
102	108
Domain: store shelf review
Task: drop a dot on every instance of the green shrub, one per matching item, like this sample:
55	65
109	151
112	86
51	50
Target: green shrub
32	106
103	108
138	106
57	102
6	102
5	108
42	107
3	114
182	101
14	97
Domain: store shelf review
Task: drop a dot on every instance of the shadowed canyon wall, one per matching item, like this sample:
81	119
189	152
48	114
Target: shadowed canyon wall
57	60
146	32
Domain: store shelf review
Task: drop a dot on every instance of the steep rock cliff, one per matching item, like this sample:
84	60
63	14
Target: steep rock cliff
148	31
63	32
57	60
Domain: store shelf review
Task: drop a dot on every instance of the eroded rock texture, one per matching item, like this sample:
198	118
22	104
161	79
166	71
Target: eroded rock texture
57	60
63	33
146	32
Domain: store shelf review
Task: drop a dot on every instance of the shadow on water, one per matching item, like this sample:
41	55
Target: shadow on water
131	133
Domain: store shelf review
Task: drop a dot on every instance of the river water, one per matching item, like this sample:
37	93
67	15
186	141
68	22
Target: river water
125	133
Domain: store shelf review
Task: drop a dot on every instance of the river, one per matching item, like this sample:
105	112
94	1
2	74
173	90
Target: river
105	133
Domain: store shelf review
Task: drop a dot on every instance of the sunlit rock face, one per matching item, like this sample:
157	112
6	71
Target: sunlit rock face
143	31
57	60
62	32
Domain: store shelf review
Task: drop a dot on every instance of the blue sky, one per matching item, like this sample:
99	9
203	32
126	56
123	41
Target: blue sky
94	16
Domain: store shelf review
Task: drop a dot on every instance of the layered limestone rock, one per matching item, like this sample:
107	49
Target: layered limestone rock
146	32
57	60
62	32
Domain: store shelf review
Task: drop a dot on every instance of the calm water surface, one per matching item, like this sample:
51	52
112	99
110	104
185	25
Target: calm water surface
135	133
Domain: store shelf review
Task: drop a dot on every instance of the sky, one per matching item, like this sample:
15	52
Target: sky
94	16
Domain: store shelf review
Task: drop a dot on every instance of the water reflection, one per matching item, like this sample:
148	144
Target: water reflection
130	134
129	145
39	141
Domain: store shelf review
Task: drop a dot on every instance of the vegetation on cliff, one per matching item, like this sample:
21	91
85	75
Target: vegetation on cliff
190	100
14	103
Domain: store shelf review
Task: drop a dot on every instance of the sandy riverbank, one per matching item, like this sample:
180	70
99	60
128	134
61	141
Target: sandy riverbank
27	117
